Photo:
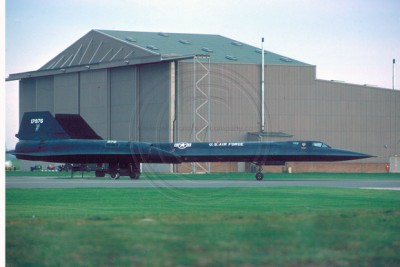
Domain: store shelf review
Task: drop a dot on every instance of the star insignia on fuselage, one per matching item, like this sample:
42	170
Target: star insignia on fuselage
183	145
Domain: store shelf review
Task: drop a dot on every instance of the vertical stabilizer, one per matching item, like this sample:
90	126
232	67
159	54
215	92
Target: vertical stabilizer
76	127
40	125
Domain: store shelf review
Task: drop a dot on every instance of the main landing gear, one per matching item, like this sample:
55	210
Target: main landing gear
116	170
259	174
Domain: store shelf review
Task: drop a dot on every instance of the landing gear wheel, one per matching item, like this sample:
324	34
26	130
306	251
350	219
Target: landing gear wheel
114	170
259	176
134	175
115	175
134	171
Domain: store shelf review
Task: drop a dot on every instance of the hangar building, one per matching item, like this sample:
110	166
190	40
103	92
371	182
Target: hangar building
170	87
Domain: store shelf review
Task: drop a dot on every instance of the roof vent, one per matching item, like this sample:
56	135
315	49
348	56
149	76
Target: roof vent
233	58
130	39
206	49
183	41
235	43
285	59
163	34
259	51
152	47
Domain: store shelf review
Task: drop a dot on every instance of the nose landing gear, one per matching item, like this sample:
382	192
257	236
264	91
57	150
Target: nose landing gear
259	174
114	171
115	175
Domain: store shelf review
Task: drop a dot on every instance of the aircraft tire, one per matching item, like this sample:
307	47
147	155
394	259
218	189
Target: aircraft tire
259	176
134	175
115	175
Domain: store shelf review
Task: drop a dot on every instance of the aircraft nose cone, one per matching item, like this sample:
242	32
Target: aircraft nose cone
363	156
351	155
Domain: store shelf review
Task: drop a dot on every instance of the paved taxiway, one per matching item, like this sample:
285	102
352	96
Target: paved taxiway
56	182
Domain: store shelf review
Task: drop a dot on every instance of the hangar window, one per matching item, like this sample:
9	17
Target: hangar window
130	39
183	41
206	49
285	59
152	47
233	58
235	43
259	51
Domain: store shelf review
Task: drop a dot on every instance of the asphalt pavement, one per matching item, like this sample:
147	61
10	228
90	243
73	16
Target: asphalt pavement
57	182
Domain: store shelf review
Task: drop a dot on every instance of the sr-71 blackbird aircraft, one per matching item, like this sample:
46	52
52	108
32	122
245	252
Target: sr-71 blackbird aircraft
67	138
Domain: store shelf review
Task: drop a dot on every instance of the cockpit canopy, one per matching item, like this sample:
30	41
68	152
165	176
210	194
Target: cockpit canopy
310	144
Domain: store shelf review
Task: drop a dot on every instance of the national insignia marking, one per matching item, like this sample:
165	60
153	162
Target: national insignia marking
182	145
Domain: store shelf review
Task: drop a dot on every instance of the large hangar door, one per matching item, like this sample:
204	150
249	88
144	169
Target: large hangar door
27	96
155	108
94	100
124	104
45	94
155	101
36	94
66	93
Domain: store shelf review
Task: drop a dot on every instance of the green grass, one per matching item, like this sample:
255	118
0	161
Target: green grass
202	227
216	176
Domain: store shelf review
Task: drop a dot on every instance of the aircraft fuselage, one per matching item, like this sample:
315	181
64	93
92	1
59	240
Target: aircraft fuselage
67	138
96	151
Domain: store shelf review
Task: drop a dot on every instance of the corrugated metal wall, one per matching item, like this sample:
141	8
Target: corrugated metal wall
363	118
27	96
154	102
66	93
108	100
45	93
343	115
124	104
154	108
288	104
94	99
135	103
36	94
235	100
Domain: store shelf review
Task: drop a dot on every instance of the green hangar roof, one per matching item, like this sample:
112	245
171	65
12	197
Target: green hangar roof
219	48
107	48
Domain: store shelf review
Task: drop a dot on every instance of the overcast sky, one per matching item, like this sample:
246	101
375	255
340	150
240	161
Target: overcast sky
348	40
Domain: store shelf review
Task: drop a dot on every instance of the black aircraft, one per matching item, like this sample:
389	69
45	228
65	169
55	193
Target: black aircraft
67	138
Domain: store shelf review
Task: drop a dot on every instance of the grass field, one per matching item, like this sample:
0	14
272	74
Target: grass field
202	227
